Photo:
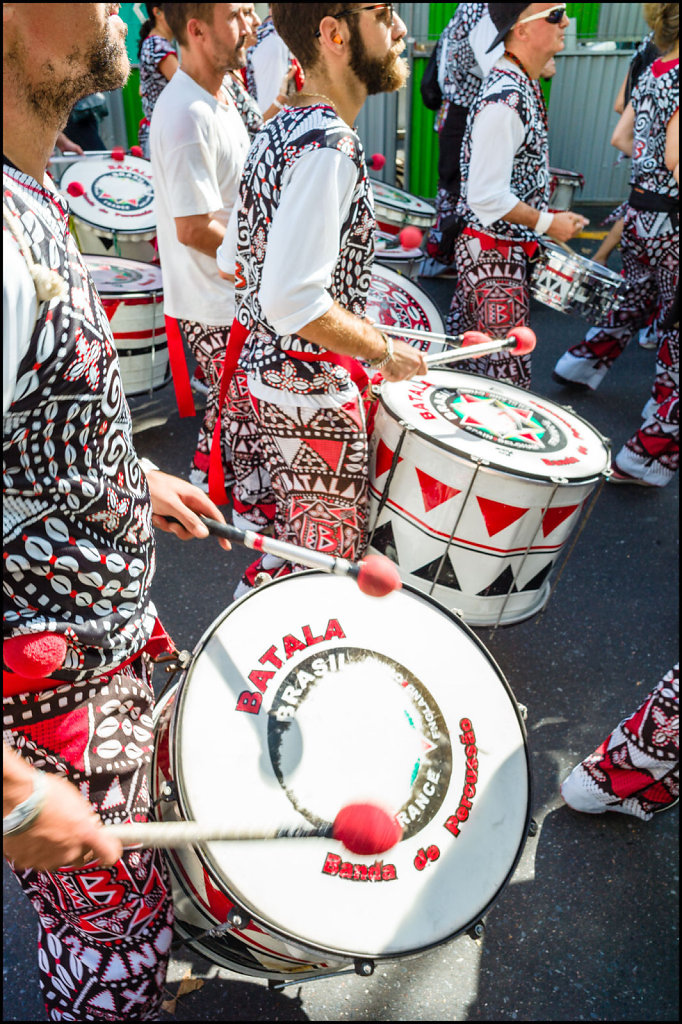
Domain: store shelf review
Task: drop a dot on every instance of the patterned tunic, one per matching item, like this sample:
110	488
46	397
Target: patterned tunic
530	170
655	100
249	111
461	85
152	83
78	542
278	145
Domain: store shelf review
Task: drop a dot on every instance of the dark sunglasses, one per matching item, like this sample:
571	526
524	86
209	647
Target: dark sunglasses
553	16
359	10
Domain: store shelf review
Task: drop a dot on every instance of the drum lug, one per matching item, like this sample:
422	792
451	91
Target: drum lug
365	968
169	794
523	711
533	827
476	931
238	919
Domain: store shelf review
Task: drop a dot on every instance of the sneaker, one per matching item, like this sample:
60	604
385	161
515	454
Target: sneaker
619	477
576	385
648	337
198	384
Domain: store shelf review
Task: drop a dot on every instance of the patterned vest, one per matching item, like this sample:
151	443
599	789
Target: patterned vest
276	148
530	170
655	99
77	533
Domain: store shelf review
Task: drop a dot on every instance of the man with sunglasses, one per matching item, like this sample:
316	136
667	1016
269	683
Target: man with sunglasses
304	243
505	186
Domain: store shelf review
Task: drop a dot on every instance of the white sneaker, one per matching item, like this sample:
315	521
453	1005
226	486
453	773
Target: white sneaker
198	384
648	337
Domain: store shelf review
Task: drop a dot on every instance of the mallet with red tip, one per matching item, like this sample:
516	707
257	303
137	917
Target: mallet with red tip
364	829
376	575
519	341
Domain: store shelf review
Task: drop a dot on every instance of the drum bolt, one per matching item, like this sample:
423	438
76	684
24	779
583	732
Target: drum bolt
237	919
261	578
365	968
533	827
523	711
477	931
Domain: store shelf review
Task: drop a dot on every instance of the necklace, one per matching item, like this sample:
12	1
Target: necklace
534	84
321	96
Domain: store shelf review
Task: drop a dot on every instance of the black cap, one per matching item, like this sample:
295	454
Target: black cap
504	17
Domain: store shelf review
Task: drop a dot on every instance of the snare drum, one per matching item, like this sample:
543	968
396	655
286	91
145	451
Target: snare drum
396	301
573	284
303	697
563	186
395	209
132	296
115	215
390	253
475	487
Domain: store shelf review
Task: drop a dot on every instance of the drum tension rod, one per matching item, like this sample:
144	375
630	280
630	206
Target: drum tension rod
365	968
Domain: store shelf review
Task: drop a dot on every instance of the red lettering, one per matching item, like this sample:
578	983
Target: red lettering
309	638
291	645
260	679
332	864
271	656
465	724
452	825
569	461
334	629
376	872
249	702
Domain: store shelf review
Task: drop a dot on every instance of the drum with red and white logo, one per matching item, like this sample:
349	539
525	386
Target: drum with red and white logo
395	301
475	488
132	295
112	205
306	696
395	209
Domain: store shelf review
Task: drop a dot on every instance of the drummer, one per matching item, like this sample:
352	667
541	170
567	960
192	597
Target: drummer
303	270
649	132
505	186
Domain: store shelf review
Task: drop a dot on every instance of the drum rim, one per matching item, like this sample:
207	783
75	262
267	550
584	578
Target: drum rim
88	257
582	262
399	280
202	850
486	463
114	232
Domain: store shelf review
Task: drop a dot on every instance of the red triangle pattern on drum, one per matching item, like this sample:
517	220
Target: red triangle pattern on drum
384	459
499	516
434	492
553	517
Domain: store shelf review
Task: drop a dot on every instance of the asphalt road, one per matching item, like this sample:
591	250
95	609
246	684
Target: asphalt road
588	927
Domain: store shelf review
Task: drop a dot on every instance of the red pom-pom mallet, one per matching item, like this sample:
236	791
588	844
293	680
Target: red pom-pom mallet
366	829
34	656
376	162
378	576
118	153
475	338
525	340
136	151
410	238
75	189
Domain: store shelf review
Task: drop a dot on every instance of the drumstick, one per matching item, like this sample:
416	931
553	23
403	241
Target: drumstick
376	575
519	342
451	340
362	828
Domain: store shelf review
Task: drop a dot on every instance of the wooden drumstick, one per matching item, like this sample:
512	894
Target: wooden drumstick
520	341
362	828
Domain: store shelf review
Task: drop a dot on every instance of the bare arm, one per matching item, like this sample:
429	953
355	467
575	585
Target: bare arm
672	146
565	225
201	232
624	132
168	66
619	105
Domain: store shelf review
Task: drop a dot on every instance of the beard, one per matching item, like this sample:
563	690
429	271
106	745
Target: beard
378	74
51	95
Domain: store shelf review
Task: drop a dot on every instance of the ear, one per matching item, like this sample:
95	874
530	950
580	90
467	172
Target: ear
331	35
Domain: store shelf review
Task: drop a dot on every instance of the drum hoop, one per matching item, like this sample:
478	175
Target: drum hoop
397	280
114	232
153	295
212	869
604	274
487	464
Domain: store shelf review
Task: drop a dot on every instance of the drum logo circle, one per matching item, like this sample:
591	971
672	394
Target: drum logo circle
350	725
123	191
499	419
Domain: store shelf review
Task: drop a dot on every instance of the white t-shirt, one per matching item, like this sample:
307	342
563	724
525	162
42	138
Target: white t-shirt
198	147
270	63
303	241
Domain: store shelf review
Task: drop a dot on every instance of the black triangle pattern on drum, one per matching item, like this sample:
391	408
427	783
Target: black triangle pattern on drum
503	585
384	541
446	578
539	578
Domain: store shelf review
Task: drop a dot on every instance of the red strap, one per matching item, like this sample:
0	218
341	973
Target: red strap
355	368
216	475
178	365
501	244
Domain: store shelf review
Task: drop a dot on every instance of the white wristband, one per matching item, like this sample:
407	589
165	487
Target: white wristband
146	465
544	223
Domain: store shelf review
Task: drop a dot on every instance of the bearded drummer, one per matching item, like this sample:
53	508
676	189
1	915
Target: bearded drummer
505	186
304	249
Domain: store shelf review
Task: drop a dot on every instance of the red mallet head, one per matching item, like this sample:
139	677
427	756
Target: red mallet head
136	151
525	340
34	656
378	576
366	829
410	238
75	189
118	153
376	162
475	338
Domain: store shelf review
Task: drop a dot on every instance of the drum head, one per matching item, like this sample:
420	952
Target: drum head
118	197
397	301
307	696
395	206
508	427
116	276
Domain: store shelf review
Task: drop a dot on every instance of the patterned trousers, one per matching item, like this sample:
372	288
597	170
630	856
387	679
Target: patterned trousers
650	251
253	500
208	344
317	461
636	770
104	934
492	296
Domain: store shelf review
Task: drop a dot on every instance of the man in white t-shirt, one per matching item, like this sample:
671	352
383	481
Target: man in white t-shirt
198	147
267	63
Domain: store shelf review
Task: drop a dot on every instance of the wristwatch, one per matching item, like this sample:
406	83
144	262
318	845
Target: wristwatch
378	364
24	814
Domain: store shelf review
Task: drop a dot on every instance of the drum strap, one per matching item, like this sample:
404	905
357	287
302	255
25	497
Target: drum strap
178	365
501	244
641	199
216	477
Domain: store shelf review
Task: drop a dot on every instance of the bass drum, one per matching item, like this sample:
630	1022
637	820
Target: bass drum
396	301
303	697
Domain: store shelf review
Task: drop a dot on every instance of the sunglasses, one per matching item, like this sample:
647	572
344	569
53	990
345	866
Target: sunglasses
360	10
554	15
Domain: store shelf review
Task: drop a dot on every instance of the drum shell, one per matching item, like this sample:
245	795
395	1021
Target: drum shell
203	898
564	185
395	301
396	257
129	245
504	576
138	326
395	209
571	284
